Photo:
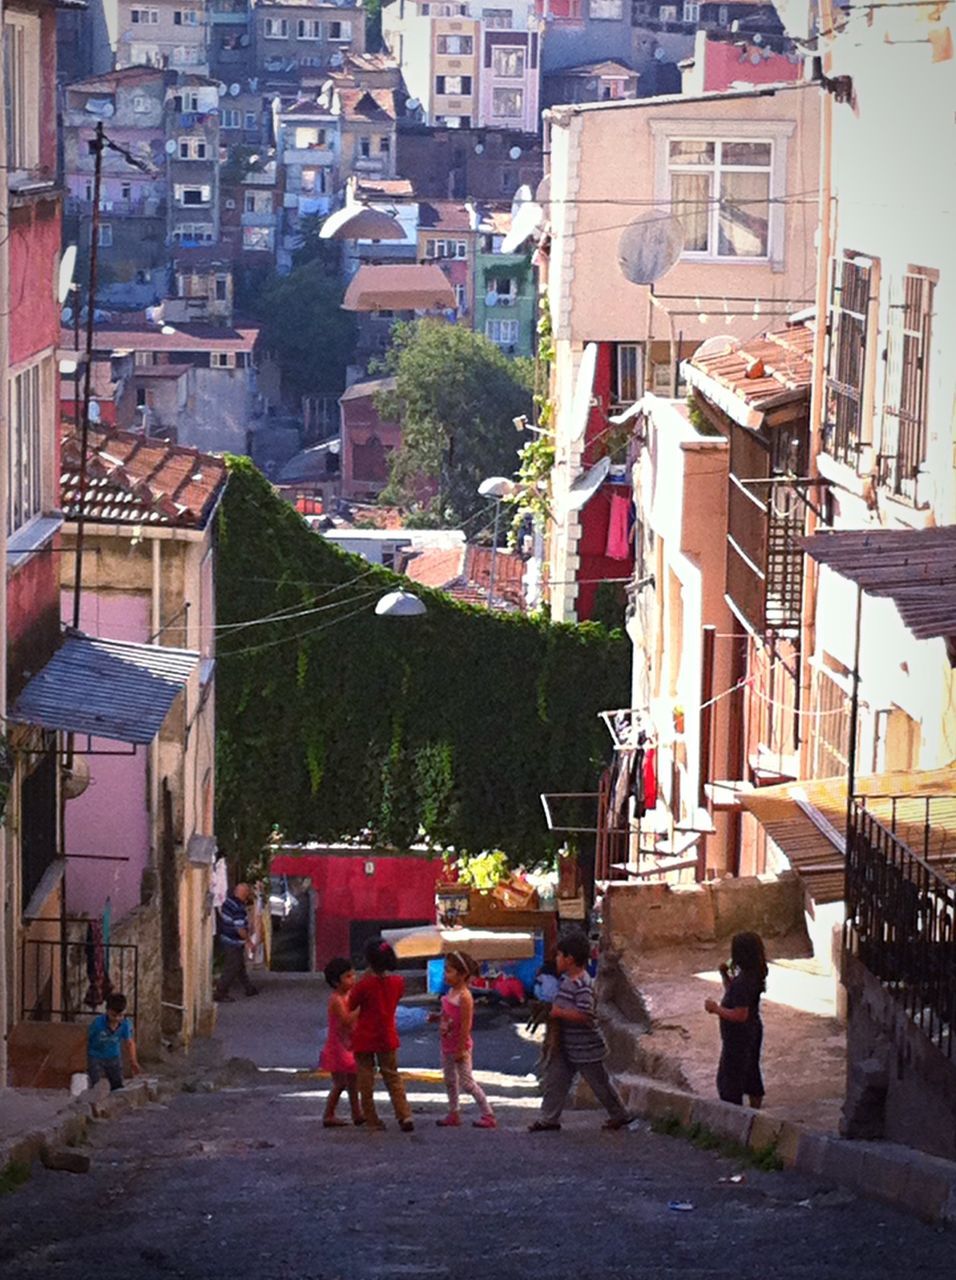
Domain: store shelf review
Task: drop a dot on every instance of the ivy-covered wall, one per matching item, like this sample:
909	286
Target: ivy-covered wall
333	721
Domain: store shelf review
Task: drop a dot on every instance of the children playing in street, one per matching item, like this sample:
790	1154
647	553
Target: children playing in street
741	1028
455	1024
337	1057
580	1047
104	1043
375	1037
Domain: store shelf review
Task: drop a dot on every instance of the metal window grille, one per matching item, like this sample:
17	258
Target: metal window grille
903	436
846	359
829	731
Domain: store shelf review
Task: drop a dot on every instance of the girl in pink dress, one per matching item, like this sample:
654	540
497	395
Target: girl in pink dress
456	1020
337	1057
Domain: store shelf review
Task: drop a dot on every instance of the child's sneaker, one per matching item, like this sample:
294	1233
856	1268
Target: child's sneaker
485	1122
451	1121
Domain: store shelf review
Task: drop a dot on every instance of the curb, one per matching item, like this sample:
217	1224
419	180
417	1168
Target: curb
908	1179
73	1122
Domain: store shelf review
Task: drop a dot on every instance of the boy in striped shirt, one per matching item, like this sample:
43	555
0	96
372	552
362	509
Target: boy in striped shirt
580	1049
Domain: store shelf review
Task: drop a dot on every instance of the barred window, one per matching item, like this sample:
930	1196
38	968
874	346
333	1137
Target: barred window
846	357
903	434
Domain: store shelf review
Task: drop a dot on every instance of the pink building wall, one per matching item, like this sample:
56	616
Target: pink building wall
111	818
726	64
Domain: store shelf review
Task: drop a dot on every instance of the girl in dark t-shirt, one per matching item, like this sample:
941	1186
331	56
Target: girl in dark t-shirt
741	1029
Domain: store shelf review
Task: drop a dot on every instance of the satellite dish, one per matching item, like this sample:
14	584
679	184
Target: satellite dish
221	89
586	486
721	344
95	411
491	298
65	277
76	779
234	90
515	153
170	147
543	193
649	246
660	54
479	148
583	386
412	104
100	107
525	219
521	196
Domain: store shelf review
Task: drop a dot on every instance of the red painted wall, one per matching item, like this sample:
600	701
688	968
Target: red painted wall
594	564
726	63
34	256
397	889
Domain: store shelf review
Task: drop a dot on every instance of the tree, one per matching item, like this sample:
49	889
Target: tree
456	395
303	324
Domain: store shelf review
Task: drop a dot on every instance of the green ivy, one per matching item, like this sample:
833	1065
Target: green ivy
444	728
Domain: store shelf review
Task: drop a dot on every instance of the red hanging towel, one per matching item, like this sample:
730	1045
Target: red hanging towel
618	529
650	778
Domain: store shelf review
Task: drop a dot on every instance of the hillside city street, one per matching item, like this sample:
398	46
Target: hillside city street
245	1179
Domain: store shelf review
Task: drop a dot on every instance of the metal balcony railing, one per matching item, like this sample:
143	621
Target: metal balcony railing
765	519
901	908
66	979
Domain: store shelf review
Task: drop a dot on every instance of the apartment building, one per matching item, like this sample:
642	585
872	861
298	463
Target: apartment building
192	170
229	48
295	39
505	289
448	235
367	131
170	34
481	164
308	147
251	201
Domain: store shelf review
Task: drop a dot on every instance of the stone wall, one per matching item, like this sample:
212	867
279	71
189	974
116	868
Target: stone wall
142	927
900	1087
646	917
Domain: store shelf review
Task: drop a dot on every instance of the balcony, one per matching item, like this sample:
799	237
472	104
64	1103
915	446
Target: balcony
253	218
765	519
145	207
310	157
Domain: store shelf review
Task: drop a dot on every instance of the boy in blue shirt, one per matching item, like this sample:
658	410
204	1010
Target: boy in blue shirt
104	1043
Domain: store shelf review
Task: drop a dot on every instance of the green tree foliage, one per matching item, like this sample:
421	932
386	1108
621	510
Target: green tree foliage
311	337
456	397
333	721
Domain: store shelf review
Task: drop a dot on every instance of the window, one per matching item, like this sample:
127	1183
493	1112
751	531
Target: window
507	103
626	371
28	404
309	29
144	17
192	148
508	183
505	289
186	102
201	232
340	31
141	402
21	67
453	86
145	359
903	434
365	147
222	289
144	55
723	15
306	137
257	238
222	360
126	191
507	63
612	10
275	28
258	202
846	357
186	17
667	13
192	196
499	19
385	144
104	236
502	332
461	297
721	192
691	11
456	45
140	103
252	121
230	118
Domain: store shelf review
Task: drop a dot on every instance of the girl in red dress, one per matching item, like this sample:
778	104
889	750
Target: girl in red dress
337	1057
375	1039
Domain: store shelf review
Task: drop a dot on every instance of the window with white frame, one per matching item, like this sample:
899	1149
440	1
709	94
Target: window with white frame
691	11
847	357
626	373
257	238
908	345
505	289
720	190
187	101
453	86
504	333
186	55
456	46
667	13
104	235
186	17
230	118
461	296
144	17
610	10
192	148
222	360
192	196
309	29
140	103
21	69
258	202
308	136
251	121
201	232
275	28
340	31
497	19
508	63
507	104
29	406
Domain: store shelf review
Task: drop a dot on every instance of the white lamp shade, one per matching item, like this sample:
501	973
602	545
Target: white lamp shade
400	604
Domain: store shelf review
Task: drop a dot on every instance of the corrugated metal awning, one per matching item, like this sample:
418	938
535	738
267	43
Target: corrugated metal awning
106	688
915	568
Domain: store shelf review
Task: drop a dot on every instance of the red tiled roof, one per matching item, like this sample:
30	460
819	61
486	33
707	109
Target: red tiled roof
765	372
137	336
437	567
368	104
414	286
443	215
372	187
509	573
134	479
465	574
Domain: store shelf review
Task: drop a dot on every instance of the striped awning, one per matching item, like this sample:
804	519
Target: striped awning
106	688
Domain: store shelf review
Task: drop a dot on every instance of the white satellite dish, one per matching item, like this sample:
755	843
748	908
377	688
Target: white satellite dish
586	486
649	246
102	108
412	104
65	277
491	298
76	778
95	411
525	220
542	194
719	345
234	90
521	196
221	88
515	153
479	148
170	147
583	386
660	54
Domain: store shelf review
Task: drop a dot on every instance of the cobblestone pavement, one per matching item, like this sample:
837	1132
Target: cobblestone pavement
243	1180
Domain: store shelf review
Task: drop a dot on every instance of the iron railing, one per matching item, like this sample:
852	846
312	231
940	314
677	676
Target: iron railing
61	980
765	560
901	911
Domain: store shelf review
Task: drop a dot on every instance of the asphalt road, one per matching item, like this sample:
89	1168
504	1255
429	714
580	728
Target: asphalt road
242	1180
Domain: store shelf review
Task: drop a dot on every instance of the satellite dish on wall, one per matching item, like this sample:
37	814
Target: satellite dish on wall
412	104
525	220
583	386
649	246
65	277
491	298
76	779
660	54
170	147
234	90
94	411
543	193
102	108
586	486
221	89
515	153
479	148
